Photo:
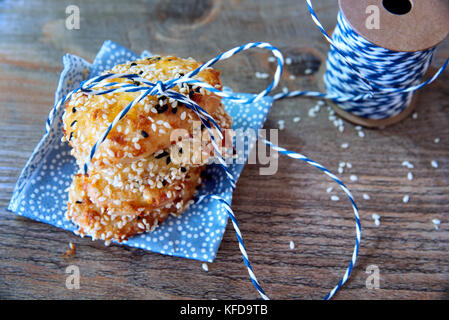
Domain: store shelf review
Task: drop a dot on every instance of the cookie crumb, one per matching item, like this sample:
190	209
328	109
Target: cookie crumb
70	252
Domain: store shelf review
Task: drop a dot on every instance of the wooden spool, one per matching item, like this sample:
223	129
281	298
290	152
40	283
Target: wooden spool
404	25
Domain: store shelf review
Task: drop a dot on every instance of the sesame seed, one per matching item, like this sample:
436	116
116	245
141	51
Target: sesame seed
335	198
144	134
345	145
329	190
183	115
434	164
296	119
437	140
437	223
376	218
261	75
281	124
366	196
406	198
288	61
408	164
161	155
292	245
415	115
205	267
353	177
410	176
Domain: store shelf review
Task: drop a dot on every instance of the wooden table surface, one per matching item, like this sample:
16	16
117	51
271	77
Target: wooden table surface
293	205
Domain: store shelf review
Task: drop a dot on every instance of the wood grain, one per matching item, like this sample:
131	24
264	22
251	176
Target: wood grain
292	205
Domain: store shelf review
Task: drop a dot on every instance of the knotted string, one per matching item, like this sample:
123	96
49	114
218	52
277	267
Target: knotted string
97	86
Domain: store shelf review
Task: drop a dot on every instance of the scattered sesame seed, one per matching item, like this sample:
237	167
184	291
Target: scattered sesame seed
353	177
340	170
437	223
349	165
434	164
271	59
281	124
205	267
366	196
410	176
296	119
408	164
292	245
262	75
292	77
361	134
437	140
335	198
376	218
288	61
415	115
308	71
406	198
329	190
345	145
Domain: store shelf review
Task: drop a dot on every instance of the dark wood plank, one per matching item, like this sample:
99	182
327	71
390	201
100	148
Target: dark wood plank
292	205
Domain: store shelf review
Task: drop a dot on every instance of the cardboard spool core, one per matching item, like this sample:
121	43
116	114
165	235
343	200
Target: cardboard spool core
405	26
417	24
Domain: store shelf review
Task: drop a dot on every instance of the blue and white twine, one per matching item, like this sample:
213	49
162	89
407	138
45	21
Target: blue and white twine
96	86
366	80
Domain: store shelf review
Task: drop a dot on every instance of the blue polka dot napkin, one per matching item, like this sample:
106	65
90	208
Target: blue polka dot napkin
40	190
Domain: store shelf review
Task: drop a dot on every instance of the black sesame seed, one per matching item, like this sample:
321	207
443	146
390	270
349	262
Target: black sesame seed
71	136
78	202
144	134
136	83
174	110
133	64
161	109
202	126
191	94
140	72
161	155
168	160
139	217
164	183
183	169
73	109
73	123
180	150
